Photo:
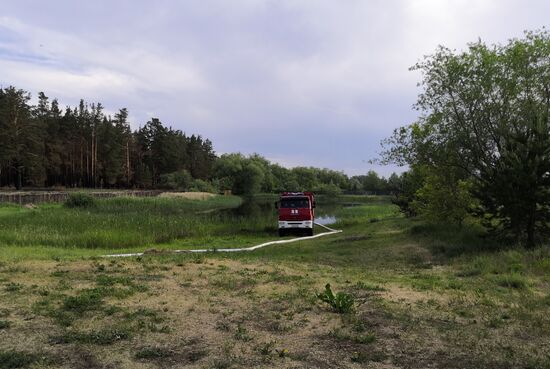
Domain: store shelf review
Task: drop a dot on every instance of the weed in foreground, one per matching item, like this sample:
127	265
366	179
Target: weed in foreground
90	299
4	324
222	363
223	325
363	357
365	338
146	353
359	357
369	287
342	302
242	334
13	287
266	348
19	359
101	337
514	280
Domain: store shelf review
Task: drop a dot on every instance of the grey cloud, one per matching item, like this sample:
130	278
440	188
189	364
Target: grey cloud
307	82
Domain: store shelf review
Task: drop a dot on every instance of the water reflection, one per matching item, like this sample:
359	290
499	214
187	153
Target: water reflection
264	208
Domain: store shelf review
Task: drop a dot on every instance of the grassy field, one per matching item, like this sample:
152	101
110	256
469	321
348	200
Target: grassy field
123	224
410	295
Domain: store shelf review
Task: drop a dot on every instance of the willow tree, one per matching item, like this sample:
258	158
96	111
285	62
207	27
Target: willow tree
485	118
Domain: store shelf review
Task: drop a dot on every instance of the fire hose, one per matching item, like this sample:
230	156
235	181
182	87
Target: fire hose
241	249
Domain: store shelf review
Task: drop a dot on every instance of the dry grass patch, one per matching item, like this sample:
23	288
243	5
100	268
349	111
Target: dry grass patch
189	195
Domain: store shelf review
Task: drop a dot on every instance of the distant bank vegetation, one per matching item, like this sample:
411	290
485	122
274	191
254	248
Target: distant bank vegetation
45	146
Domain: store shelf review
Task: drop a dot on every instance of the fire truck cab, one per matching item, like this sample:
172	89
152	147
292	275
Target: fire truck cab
296	212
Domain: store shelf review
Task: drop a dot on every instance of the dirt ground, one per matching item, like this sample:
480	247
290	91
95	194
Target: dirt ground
202	312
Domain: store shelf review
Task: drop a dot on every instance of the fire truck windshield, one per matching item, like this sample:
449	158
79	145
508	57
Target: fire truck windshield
295	203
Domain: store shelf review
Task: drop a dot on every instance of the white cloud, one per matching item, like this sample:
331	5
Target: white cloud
73	64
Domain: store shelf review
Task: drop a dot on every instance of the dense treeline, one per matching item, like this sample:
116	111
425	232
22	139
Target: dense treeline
45	146
256	174
82	147
481	147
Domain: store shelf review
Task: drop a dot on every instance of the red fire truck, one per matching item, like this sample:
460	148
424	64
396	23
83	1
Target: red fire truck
296	212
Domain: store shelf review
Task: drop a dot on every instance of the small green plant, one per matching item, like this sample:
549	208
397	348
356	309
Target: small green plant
13	287
266	348
16	359
342	302
359	357
80	200
153	353
242	334
369	287
282	352
90	299
222	325
4	324
514	281
101	337
365	338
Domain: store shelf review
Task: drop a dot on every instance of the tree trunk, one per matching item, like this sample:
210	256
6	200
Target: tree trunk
530	231
127	165
93	158
18	178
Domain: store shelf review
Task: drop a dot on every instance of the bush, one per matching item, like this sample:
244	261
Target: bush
199	185
16	359
180	180
443	199
341	302
513	280
80	200
328	189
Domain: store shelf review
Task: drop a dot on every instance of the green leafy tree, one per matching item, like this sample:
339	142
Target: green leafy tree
485	116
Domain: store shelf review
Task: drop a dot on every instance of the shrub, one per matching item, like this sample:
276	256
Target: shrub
13	287
90	299
180	180
80	200
341	302
19	359
514	280
328	189
153	353
198	185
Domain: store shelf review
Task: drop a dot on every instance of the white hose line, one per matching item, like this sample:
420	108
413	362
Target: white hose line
251	248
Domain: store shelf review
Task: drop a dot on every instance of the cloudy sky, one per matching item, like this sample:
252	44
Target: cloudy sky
302	82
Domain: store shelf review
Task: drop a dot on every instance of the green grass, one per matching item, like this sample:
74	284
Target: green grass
129	225
446	297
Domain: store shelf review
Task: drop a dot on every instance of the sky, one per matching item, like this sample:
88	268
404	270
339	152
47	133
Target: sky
301	82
